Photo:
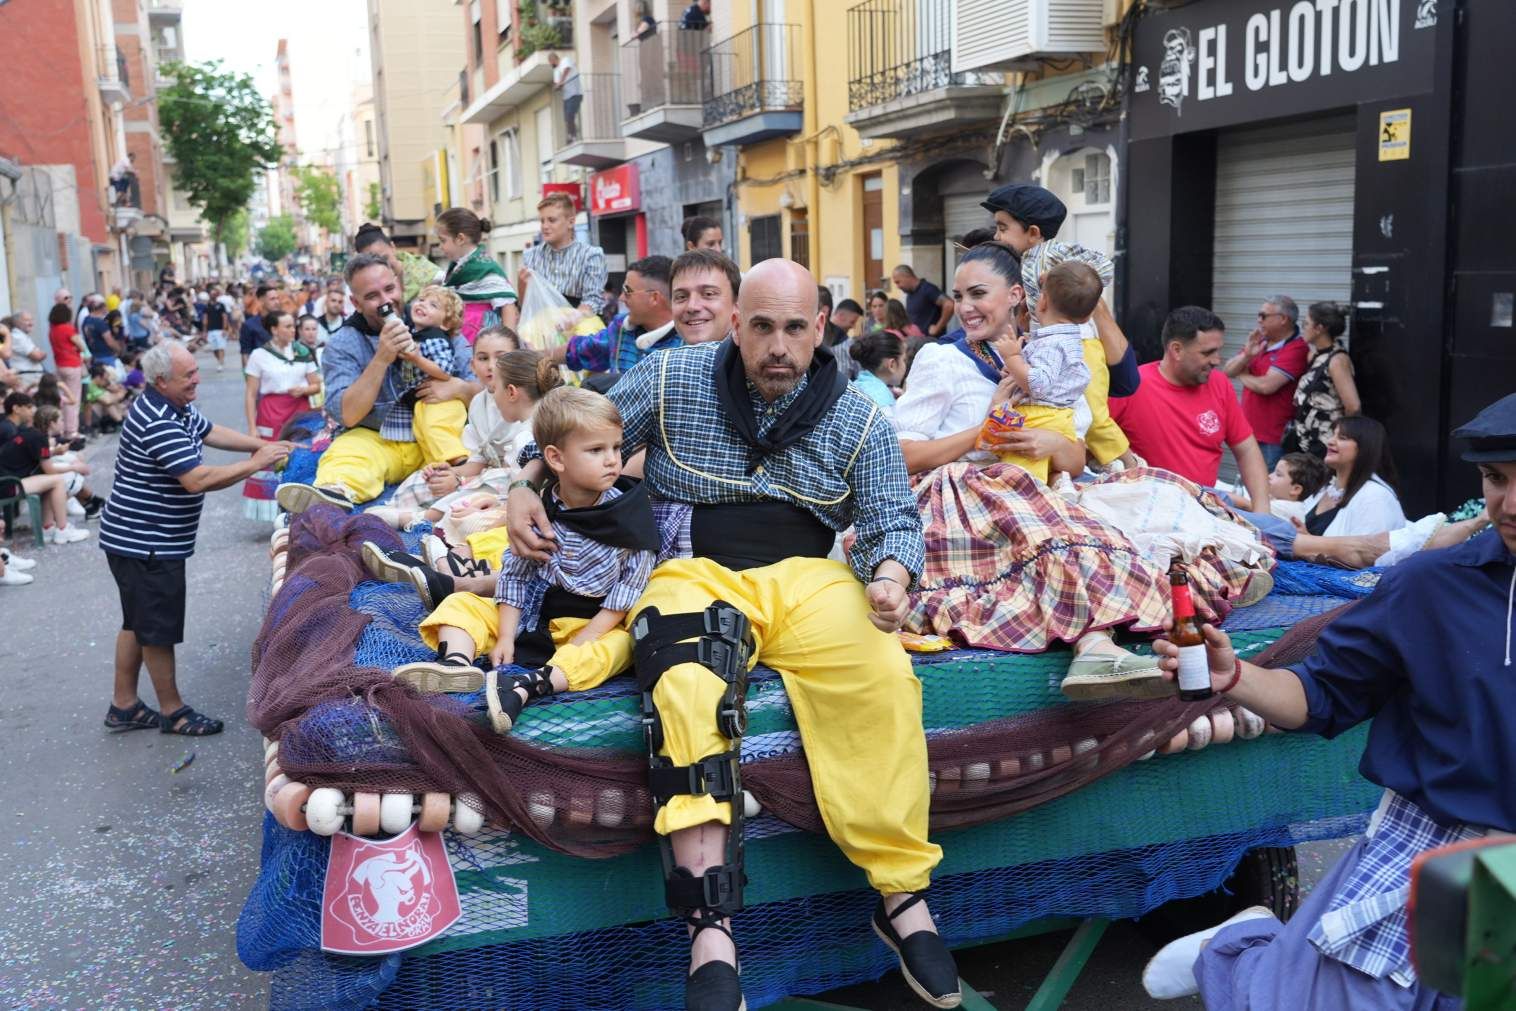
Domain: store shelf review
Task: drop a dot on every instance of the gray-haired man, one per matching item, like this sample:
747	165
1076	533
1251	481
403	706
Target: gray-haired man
148	527
1269	366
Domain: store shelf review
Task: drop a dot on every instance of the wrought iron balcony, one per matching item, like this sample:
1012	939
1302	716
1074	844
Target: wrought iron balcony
901	78
662	84
753	89
587	128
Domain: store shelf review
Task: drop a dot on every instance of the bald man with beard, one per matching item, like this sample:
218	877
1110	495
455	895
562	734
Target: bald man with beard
758	453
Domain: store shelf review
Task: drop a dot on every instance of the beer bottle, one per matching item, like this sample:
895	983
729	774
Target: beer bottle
1194	667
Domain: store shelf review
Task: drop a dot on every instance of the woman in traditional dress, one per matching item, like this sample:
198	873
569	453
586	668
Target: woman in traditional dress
488	298
1011	564
282	376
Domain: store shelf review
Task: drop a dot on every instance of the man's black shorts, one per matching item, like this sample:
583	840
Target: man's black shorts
152	597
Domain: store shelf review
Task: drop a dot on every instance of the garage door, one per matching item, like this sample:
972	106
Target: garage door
1284	219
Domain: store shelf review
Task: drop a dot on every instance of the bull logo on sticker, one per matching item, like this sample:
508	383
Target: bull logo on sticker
1174	71
1208	422
387	895
1426	14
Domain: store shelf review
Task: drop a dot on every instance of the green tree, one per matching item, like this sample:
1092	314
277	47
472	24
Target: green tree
276	240
221	131
321	200
234	233
372	210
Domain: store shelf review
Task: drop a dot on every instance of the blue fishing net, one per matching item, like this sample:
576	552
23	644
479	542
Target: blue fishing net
1310	579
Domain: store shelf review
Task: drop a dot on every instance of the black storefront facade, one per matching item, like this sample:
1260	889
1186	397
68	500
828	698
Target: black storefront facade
1358	150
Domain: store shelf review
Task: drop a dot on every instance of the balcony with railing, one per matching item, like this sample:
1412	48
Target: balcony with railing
900	72
115	84
587	121
661	83
752	85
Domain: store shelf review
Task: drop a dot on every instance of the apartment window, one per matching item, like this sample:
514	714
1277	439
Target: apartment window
1094	179
764	239
503	17
368	136
478	31
545	140
510	163
495	169
800	237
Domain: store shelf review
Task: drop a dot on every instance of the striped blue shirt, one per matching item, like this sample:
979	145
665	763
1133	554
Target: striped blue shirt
580	565
149	513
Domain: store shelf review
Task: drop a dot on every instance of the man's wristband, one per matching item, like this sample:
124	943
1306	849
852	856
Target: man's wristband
889	579
522	483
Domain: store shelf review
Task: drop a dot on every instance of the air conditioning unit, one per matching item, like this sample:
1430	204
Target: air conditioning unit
1015	34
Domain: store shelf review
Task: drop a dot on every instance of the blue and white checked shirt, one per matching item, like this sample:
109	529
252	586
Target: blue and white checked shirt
577	270
1055	365
581	566
1365	924
348	352
847	471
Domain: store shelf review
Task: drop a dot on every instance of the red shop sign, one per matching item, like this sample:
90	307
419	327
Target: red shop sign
572	189
615	191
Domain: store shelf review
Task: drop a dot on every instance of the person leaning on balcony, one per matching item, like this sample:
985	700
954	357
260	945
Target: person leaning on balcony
697	16
577	269
123	173
566	80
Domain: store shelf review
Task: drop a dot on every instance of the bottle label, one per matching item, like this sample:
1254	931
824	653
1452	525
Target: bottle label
1194	669
1184	607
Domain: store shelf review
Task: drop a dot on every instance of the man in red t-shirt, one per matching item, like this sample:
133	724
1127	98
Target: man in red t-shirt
1185	408
1269	367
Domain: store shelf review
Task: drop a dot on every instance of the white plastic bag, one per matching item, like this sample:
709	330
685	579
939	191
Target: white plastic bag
547	319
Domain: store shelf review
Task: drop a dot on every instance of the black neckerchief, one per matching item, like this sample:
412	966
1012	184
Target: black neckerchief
825	385
625	521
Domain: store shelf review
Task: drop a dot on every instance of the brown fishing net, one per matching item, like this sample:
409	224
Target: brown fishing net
306	689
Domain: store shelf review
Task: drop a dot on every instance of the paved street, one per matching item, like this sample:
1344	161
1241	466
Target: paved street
132	875
128	877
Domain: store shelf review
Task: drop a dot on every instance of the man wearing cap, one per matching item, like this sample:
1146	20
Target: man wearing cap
1427	656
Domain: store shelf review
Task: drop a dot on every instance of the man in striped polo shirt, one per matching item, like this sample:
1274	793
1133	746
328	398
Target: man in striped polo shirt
148	529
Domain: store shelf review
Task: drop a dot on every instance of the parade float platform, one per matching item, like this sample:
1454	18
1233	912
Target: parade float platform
543	930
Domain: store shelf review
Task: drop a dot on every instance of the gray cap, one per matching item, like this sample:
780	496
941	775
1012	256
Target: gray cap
1492	433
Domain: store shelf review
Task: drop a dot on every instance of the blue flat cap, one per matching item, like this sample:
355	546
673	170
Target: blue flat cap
1029	204
1492	433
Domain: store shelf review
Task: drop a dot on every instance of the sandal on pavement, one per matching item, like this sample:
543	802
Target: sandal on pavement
137	717
193	724
925	961
716	985
451	673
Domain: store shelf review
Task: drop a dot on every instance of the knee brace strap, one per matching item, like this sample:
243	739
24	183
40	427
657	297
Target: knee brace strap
723	645
716	776
719	889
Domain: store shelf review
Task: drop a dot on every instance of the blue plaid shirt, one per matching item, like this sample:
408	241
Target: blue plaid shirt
847	471
348	352
1365	923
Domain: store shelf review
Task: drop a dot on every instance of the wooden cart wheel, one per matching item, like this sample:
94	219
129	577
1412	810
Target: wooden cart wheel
365	814
435	807
289	806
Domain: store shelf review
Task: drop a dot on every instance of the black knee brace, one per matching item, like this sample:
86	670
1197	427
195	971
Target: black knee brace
723	645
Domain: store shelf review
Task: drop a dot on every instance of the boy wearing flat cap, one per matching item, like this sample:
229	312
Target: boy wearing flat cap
1027	218
1427	656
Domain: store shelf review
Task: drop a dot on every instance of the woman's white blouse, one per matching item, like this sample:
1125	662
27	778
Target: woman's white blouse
1374	510
944	394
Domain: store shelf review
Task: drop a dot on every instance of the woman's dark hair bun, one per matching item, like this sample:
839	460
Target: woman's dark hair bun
484	224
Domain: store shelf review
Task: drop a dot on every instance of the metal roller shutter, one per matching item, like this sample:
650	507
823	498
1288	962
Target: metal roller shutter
961	214
1284	219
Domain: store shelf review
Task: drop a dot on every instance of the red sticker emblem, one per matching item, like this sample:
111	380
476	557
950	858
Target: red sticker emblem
387	895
